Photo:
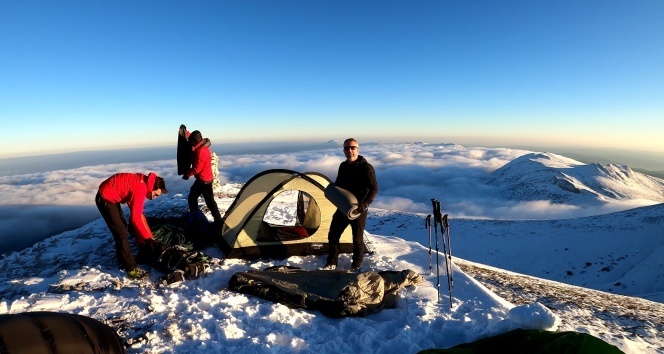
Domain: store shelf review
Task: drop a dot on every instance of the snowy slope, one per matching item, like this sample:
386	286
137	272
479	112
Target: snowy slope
75	272
621	252
547	176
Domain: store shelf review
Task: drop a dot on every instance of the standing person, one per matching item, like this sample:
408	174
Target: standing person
131	189
201	169
358	177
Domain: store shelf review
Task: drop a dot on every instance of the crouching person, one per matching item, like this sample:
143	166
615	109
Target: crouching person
131	189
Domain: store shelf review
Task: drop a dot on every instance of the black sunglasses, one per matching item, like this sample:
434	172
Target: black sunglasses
346	148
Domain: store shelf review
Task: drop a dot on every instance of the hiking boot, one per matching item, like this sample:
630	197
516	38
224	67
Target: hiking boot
173	277
137	273
355	269
328	267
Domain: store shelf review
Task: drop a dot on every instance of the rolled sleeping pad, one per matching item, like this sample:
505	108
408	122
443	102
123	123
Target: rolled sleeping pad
344	200
56	333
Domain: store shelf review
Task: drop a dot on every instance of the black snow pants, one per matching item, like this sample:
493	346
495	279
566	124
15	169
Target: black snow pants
339	223
202	188
117	223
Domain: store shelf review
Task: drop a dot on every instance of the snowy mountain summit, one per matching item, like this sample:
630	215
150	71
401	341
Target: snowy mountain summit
521	262
547	176
75	272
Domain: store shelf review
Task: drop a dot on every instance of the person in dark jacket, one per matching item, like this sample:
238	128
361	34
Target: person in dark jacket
131	189
201	169
357	176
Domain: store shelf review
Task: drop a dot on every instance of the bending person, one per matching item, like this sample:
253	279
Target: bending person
131	189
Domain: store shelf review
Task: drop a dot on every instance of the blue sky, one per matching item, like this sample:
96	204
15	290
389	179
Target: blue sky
86	75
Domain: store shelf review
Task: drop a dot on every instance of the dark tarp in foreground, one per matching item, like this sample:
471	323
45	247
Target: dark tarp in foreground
533	342
56	333
334	293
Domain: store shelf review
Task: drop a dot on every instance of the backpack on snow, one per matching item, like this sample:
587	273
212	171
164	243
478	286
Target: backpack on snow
180	264
172	235
191	230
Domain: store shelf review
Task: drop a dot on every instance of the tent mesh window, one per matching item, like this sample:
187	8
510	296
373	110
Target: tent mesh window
291	215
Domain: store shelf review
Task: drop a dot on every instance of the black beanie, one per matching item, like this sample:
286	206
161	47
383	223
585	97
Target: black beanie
159	183
195	137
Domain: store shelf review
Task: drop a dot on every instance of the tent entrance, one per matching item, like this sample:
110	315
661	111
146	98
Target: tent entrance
290	215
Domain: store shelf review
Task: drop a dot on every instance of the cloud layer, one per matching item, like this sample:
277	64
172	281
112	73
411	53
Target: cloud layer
409	176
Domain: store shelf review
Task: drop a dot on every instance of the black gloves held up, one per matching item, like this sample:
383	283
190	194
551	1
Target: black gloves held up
185	177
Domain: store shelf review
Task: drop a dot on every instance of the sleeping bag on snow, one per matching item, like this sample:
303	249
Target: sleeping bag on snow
184	151
334	293
56	333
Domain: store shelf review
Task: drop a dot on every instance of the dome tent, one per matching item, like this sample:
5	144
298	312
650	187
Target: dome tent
245	234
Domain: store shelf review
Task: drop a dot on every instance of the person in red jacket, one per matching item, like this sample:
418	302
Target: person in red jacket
201	169
131	189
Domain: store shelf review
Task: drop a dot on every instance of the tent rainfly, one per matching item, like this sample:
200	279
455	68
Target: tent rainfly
246	235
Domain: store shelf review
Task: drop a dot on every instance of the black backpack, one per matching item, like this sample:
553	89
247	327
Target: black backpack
180	264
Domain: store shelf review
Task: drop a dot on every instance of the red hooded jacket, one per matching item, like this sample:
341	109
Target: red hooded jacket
201	162
131	189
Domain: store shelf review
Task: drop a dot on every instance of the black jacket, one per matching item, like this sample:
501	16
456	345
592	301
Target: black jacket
358	178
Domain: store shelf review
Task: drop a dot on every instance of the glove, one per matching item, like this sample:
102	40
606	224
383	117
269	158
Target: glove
185	177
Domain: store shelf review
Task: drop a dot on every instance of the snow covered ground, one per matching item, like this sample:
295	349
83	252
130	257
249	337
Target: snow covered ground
621	252
75	272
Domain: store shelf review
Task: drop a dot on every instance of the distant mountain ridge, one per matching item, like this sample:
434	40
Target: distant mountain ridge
547	176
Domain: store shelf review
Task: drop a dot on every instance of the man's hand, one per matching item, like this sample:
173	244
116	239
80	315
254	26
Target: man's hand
185	177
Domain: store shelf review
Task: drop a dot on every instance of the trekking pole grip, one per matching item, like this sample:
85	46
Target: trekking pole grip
437	214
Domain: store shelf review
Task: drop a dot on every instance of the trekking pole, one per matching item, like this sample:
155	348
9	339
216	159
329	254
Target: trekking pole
435	227
427	224
438	219
446	225
447	253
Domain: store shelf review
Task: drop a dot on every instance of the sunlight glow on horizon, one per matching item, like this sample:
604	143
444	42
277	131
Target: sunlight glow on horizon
624	141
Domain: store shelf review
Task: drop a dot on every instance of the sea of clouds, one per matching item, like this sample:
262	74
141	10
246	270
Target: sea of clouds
40	204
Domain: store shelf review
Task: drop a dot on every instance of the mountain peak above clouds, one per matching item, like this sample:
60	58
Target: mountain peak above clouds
561	180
